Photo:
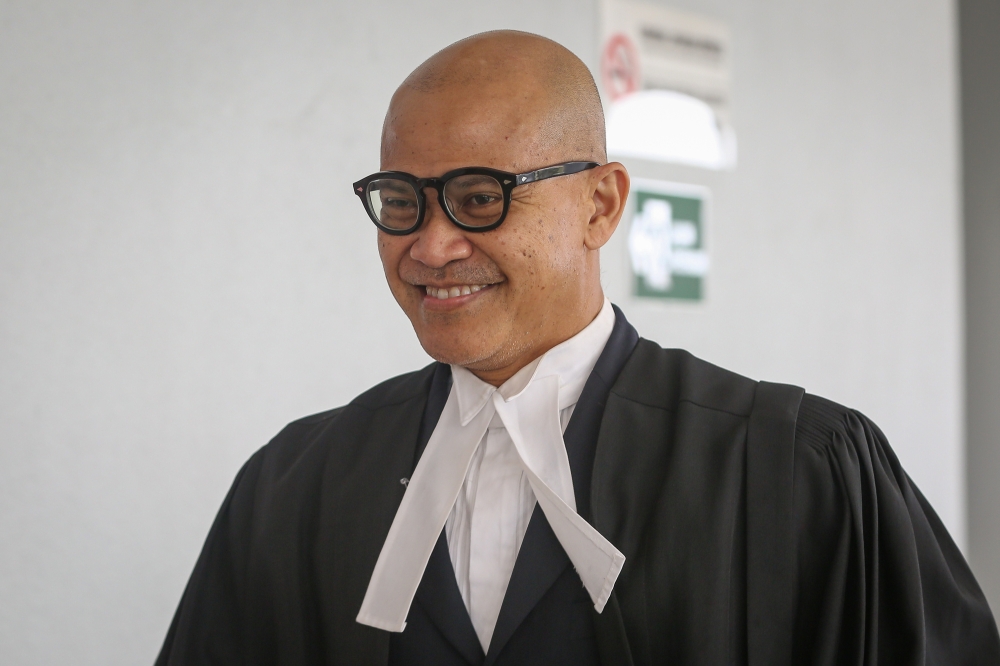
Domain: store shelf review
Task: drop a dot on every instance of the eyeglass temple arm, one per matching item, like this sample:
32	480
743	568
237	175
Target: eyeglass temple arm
552	171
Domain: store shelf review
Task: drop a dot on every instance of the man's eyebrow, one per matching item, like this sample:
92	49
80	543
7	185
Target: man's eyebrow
395	186
474	180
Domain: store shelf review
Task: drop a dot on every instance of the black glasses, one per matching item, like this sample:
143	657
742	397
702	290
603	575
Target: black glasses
474	198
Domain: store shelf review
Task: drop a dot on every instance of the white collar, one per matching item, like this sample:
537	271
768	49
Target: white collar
532	397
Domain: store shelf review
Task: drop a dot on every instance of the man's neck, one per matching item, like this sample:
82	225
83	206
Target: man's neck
498	376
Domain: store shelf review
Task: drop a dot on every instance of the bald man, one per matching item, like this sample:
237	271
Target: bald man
554	489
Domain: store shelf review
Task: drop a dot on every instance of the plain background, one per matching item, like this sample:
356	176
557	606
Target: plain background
184	268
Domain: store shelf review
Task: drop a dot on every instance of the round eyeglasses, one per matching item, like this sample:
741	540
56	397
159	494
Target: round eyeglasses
473	198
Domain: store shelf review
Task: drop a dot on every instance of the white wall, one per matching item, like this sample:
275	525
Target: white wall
183	267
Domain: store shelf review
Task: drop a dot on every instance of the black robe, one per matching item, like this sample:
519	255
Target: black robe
760	526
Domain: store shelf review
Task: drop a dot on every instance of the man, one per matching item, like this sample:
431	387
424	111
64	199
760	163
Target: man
555	490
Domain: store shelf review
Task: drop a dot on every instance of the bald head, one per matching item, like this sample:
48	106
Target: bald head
527	88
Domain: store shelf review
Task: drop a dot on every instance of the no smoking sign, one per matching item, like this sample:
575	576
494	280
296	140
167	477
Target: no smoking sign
619	66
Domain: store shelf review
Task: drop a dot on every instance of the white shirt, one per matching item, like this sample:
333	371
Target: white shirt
490	516
483	435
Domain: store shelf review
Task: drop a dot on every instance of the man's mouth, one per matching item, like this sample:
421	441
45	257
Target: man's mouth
442	293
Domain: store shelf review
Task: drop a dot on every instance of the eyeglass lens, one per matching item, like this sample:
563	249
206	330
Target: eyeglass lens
474	200
394	203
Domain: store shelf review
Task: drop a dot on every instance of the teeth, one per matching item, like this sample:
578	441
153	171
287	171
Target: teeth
453	292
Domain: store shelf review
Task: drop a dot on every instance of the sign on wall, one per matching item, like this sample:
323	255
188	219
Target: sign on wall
665	80
645	46
666	240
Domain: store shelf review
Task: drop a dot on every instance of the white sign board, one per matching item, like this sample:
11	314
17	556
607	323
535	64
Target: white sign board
665	76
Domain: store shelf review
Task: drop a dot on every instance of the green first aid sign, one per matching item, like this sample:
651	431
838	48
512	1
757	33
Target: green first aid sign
666	241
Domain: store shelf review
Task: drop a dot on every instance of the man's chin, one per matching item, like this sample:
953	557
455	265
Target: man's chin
460	349
453	355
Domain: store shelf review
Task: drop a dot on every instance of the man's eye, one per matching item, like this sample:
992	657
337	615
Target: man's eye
398	203
483	199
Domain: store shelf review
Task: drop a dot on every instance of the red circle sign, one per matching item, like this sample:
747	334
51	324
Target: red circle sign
619	66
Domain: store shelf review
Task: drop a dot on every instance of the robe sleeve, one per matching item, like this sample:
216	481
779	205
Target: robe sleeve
880	580
208	627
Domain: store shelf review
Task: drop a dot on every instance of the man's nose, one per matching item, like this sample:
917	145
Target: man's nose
438	241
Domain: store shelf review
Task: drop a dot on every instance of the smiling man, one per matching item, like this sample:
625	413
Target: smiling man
532	280
554	489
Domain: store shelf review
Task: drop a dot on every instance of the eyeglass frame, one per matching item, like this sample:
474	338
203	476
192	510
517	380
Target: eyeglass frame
507	180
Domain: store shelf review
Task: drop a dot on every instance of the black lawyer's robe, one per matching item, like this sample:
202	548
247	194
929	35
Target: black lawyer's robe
759	525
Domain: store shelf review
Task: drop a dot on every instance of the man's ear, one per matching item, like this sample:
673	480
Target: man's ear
610	184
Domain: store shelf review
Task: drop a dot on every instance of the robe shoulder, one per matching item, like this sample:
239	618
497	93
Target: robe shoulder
328	428
664	378
270	522
880	580
389	393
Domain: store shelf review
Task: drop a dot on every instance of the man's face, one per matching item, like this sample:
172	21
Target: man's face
486	300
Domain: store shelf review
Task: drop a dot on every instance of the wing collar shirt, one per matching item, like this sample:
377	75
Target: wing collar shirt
494	453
